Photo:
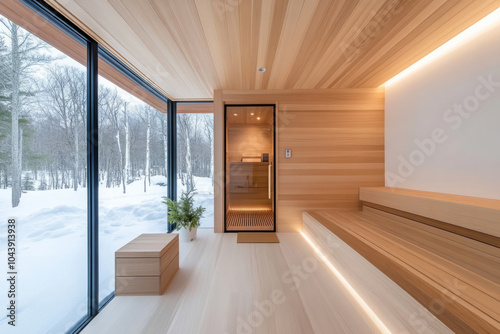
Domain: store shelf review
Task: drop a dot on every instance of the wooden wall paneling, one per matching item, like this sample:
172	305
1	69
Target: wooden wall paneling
337	143
189	48
248	139
195	108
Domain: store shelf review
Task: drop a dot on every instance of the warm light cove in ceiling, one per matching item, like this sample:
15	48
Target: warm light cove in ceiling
489	22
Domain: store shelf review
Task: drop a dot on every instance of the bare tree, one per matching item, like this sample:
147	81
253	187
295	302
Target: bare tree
148	137
24	55
113	106
164	134
127	144
65	104
15	110
209	132
185	130
78	101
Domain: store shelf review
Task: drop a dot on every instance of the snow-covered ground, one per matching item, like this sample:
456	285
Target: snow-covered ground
52	246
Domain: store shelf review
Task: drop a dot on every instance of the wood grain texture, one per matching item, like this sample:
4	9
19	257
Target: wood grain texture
248	139
190	48
483	237
473	213
337	142
149	245
195	108
438	268
203	297
137	266
379	291
145	265
141	285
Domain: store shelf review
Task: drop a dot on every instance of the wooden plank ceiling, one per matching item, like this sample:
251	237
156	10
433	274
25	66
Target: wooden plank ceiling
189	48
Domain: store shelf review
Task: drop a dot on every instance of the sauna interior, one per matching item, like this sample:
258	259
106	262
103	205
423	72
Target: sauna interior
250	166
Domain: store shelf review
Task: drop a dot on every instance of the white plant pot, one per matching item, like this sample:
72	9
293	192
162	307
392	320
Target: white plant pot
186	235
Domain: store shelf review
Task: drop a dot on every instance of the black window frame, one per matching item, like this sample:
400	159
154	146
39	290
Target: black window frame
94	52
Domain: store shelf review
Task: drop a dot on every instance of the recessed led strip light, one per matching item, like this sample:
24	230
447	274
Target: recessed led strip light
250	209
465	36
376	320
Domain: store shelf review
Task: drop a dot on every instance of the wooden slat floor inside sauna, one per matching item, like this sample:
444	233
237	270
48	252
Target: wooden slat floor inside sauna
250	220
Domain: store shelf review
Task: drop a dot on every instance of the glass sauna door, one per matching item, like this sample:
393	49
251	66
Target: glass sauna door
250	141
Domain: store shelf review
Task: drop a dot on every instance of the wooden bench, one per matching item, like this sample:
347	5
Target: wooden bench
441	249
146	264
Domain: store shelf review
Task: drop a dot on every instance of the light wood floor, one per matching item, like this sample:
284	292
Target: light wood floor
224	287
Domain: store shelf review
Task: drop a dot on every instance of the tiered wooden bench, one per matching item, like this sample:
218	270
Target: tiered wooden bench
441	249
146	265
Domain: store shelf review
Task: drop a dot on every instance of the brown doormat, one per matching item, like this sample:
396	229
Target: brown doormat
256	237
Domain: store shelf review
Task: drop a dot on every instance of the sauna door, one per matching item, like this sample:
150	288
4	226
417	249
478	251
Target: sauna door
249	168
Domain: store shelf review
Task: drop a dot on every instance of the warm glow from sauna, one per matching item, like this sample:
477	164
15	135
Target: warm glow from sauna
251	209
465	36
381	326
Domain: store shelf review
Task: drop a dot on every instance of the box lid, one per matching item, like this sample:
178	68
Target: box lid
148	245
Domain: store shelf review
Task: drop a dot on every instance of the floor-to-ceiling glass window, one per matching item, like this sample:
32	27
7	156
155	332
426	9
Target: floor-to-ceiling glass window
43	159
132	167
195	156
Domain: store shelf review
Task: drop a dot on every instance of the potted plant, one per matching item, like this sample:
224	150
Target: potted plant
183	213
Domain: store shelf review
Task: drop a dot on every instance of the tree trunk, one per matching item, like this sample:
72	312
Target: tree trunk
148	135
16	106
122	176
52	181
127	146
165	141
84	177
189	167
77	153
108	176
20	158
63	179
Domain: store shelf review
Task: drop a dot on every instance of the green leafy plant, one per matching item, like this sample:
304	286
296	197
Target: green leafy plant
183	212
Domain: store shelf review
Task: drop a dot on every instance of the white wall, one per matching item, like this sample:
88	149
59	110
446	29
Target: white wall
453	107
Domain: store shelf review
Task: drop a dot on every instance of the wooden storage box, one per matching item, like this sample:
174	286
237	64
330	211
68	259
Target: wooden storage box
146	265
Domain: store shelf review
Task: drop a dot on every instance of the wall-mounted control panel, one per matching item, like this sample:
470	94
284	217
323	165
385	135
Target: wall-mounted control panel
288	154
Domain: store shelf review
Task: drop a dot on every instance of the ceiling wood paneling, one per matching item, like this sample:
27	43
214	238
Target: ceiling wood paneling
189	48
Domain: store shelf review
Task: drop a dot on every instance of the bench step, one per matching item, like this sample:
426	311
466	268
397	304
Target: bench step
454	277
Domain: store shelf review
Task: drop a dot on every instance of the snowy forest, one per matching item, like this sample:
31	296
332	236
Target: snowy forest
43	116
43	175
